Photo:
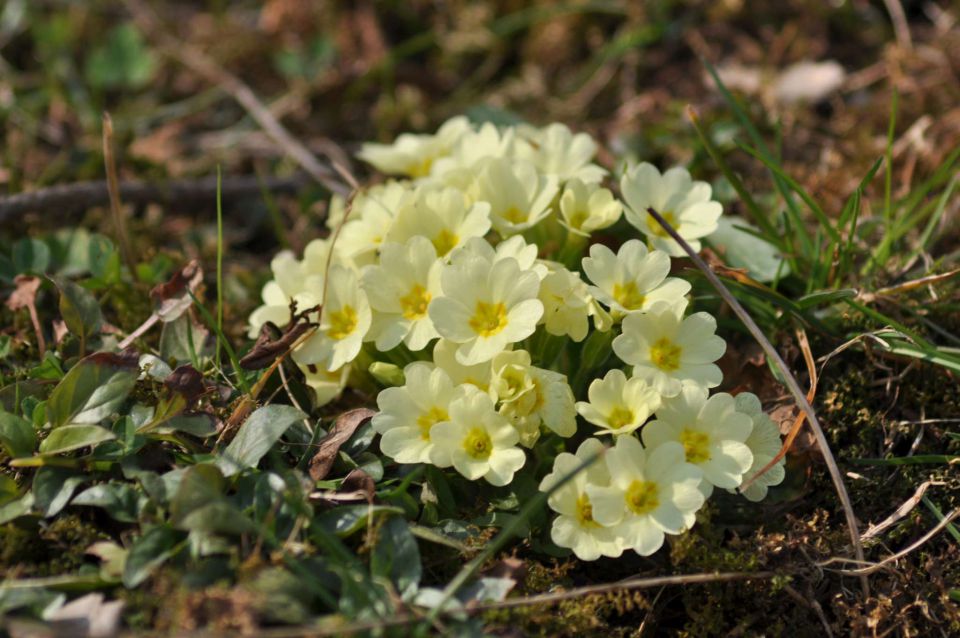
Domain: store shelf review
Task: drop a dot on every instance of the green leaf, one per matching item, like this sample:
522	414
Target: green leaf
31	256
79	309
397	557
16	509
199	503
745	250
181	341
198	486
149	552
53	487
92	390
256	436
122	61
118	499
16	435
74	437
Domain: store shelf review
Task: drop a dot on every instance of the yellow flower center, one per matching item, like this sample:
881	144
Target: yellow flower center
445	241
421	169
665	354
577	219
658	230
428	419
488	318
342	322
620	416
628	296
585	512
514	215
414	303
696	445
642	497
477	444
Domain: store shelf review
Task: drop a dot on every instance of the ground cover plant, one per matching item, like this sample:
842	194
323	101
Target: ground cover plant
608	351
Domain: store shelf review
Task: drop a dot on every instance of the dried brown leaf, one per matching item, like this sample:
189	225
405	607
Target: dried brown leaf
173	298
346	424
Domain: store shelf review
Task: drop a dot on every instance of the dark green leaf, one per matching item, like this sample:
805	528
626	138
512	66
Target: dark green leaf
350	519
118	499
31	256
74	437
53	487
198	486
181	340
16	509
79	309
256	436
16	435
397	557
149	552
92	389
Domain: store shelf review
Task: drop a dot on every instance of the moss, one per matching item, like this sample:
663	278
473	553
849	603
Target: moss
33	549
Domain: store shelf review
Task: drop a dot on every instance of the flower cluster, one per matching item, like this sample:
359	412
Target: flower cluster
474	275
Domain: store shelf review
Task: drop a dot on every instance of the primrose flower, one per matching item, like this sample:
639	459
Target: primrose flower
400	289
712	434
475	146
575	527
764	442
585	208
669	352
682	202
477	440
634	279
515	247
443	216
556	151
409	414
326	386
566	303
372	214
519	196
344	321
486	306
413	155
479	375
530	396
651	493
619	405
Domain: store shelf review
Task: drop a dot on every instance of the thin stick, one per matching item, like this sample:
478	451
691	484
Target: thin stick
113	189
792	385
874	567
58	201
202	64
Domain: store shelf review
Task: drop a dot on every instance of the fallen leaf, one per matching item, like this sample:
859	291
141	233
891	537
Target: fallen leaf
346	424
87	617
187	381
268	347
808	81
172	297
358	481
25	296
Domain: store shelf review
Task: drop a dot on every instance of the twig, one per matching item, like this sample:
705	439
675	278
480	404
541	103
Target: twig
792	385
202	64
905	508
874	567
57	201
900	27
113	190
624	585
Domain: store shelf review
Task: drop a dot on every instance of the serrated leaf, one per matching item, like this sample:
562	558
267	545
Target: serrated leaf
73	437
79	309
16	435
92	389
256	436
